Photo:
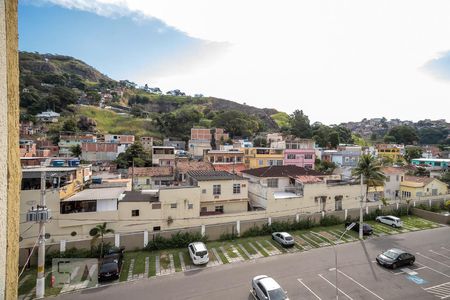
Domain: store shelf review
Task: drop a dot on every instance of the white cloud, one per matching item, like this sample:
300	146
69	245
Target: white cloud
336	60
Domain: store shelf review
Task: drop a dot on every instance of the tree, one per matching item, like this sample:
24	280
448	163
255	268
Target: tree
136	152
327	167
70	126
404	134
446	178
237	123
334	139
300	126
421	172
98	232
259	142
412	153
368	168
345	134
76	150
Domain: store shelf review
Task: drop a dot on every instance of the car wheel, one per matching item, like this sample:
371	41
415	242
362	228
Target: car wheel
273	238
411	262
379	221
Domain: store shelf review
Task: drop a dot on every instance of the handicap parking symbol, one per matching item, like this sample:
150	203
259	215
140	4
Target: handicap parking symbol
416	279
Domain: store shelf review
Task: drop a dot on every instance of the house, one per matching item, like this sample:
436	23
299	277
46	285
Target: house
221	192
184	165
263	157
27	148
178	145
48	117
394	178
413	186
99	151
300	152
273	138
202	139
67	141
390	151
198	147
231	161
163	156
123	140
147	142
284	188
151	177
432	163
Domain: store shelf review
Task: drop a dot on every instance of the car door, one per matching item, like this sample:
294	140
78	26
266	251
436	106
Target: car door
191	251
402	259
261	292
279	238
388	221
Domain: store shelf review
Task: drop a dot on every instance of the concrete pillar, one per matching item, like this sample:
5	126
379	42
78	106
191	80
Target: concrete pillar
145	238
367	210
297	217
323	214
345	213
62	246
117	240
203	230
396	204
414	204
429	202
238	227
10	170
269	221
379	206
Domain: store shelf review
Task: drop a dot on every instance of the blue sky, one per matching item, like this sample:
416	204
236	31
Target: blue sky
119	46
338	61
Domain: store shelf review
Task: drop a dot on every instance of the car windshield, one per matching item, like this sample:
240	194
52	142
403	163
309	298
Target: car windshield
391	254
277	294
201	253
288	238
110	267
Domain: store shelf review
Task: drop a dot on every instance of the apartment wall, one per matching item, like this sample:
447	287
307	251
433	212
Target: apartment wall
226	190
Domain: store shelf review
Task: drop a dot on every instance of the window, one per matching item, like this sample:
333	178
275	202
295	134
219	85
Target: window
388	178
204	191
219	209
291	156
308	166
338	202
203	209
272	182
135	213
190	206
173	205
279	162
236	188
261	162
397	178
216	189
156	228
156	206
308	156
147	181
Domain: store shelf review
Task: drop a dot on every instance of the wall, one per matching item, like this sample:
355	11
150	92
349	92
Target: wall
428	215
226	189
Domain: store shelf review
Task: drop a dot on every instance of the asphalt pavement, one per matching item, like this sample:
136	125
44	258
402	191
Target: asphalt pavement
310	274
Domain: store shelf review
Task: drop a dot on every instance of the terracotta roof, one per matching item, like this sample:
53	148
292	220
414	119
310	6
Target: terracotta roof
213	175
282	171
151	171
393	170
237	168
424	180
183	166
308	179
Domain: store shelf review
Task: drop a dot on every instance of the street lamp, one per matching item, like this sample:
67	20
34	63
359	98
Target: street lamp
336	258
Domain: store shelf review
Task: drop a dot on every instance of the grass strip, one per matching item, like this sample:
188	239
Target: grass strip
249	249
260	250
176	261
222	256
243	255
152	265
125	268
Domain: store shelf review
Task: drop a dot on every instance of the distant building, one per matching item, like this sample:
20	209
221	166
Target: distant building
300	152
48	116
147	142
163	156
391	151
177	144
27	148
67	141
413	186
100	151
151	177
184	165
263	157
432	163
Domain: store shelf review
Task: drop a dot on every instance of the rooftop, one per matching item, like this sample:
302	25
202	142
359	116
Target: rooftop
184	165
47	169
393	170
282	171
202	175
139	196
150	171
417	179
97	194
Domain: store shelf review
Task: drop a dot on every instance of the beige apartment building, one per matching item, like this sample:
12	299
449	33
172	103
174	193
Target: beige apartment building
163	156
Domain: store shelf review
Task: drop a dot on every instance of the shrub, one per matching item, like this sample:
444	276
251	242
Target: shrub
281	226
177	240
73	252
330	221
228	236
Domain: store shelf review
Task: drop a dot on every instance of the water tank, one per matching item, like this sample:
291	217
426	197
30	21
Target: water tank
58	163
96	180
73	162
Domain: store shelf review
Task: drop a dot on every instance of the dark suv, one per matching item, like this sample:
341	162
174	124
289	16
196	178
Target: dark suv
111	264
367	230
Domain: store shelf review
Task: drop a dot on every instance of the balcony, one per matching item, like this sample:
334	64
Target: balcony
210	213
298	190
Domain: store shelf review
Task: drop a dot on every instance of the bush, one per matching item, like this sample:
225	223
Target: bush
177	240
330	221
228	236
267	229
73	252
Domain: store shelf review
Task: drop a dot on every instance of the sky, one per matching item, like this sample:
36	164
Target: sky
336	60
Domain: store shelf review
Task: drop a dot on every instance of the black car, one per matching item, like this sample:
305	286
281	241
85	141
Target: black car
109	270
394	258
367	230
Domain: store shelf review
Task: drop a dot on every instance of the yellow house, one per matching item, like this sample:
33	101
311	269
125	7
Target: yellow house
263	157
413	186
389	151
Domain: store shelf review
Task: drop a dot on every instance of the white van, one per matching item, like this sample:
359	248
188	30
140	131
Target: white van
390	220
198	253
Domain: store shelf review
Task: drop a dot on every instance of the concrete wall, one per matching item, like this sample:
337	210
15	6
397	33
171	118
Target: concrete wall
226	190
431	216
9	149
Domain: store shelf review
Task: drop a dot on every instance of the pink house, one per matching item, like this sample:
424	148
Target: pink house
300	152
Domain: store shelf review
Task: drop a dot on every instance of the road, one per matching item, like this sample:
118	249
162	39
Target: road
310	274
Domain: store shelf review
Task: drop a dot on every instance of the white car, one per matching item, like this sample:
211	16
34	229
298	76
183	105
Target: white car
198	253
390	220
284	238
266	288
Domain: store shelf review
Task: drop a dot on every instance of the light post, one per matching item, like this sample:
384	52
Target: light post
336	257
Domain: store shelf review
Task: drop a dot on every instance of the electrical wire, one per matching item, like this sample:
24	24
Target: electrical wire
31	253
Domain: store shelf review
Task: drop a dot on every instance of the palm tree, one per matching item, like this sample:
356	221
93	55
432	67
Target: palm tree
98	232
369	170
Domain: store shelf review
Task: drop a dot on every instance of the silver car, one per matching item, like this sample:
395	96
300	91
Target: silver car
390	220
284	238
266	288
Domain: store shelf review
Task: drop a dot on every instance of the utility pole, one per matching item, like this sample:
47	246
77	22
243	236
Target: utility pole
132	175
361	210
40	281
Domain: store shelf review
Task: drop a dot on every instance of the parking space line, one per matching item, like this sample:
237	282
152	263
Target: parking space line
444	256
299	280
445	248
433	269
432	259
360	284
320	275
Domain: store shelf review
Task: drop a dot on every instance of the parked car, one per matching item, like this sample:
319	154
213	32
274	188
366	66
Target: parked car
198	253
394	258
367	230
109	270
266	288
390	220
284	238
